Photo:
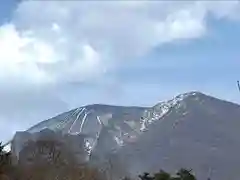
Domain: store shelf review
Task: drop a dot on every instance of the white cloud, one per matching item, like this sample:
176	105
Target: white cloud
79	40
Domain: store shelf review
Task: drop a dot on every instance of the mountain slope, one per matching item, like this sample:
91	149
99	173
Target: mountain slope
191	130
201	133
121	123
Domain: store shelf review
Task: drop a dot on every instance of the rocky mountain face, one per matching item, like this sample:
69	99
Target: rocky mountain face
200	132
192	130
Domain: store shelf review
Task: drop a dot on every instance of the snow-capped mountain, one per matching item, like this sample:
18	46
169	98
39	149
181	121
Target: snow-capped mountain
123	123
191	130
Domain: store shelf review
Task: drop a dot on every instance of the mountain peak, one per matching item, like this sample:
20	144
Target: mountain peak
190	94
180	97
163	108
193	93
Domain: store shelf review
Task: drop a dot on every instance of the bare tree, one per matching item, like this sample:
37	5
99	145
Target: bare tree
53	160
46	152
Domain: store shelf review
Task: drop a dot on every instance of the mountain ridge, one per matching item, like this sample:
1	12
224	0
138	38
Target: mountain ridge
185	95
163	135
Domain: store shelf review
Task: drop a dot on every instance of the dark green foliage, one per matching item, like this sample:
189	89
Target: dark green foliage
182	174
4	159
146	176
162	175
185	174
1	148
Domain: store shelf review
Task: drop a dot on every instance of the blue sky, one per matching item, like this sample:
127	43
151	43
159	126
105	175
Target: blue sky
77	53
6	9
209	64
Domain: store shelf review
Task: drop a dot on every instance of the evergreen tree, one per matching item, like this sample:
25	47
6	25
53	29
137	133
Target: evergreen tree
1	148
182	174
185	174
162	175
146	176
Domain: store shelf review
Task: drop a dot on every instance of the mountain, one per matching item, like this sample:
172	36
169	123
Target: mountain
192	130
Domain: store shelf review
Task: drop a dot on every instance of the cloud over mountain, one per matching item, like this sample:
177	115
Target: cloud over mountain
50	44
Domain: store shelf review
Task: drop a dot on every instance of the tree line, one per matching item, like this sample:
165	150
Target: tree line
60	165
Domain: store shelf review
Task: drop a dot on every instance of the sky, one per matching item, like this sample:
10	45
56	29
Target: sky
59	55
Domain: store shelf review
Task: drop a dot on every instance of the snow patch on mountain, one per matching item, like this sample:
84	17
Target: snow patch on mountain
163	108
119	141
